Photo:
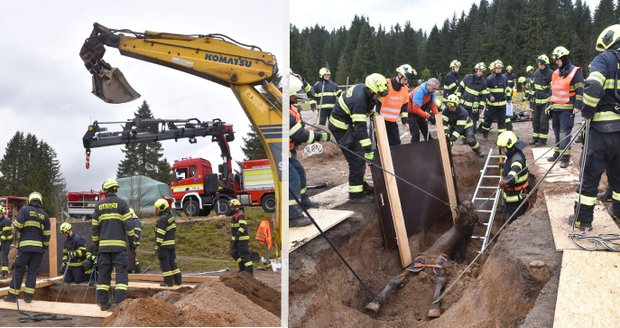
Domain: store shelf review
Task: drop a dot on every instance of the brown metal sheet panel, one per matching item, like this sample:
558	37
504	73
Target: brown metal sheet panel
420	164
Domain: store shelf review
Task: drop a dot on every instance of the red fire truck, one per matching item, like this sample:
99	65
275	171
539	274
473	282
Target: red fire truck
81	204
12	204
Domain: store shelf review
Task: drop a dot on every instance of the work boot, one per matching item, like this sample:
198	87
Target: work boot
5	274
583	226
309	204
104	306
485	136
553	157
479	152
604	196
534	142
165	284
367	189
362	199
178	280
564	164
250	270
27	297
300	221
10	298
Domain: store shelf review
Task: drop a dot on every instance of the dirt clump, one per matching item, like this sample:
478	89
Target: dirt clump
143	312
256	291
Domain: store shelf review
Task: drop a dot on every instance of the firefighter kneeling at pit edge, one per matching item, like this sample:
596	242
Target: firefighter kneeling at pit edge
74	254
458	124
239	245
165	248
514	174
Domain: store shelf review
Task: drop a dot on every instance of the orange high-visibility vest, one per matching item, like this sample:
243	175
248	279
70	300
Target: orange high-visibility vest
560	87
293	111
393	102
263	235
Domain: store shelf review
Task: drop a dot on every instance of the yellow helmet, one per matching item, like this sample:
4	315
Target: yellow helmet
234	202
508	68
498	63
35	195
506	139
530	68
542	59
521	79
109	184
161	205
2	209
452	99
324	71
407	71
377	83
65	227
559	52
481	66
455	63
608	38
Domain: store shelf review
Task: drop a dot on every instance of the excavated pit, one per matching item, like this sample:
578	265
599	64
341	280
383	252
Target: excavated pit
502	289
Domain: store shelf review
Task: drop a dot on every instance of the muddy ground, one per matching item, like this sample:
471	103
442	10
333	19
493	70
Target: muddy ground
514	284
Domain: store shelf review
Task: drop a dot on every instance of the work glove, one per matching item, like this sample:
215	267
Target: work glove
325	136
369	155
63	266
502	183
431	119
475	107
548	111
72	254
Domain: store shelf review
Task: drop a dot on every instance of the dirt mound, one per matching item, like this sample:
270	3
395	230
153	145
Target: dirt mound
256	291
143	312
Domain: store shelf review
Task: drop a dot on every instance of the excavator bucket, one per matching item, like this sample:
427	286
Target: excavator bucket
112	87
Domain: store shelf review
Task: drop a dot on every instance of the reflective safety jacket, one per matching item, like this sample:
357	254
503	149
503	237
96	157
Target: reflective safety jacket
75	244
422	102
541	82
352	110
515	170
511	80
567	88
326	93
499	89
165	230
239	226
472	90
6	229
457	121
112	224
601	97
137	230
33	227
297	132
450	83
394	105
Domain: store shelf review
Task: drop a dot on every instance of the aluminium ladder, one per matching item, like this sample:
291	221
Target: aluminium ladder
487	194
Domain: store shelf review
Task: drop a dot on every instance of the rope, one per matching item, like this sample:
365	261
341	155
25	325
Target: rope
312	149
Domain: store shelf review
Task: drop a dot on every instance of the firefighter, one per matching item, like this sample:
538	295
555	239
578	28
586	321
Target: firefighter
165	248
422	109
133	265
499	95
529	86
473	91
514	174
458	124
240	234
33	227
521	84
6	238
394	105
111	229
566	95
348	126
90	264
541	86
297	174
327	92
602	108
74	254
511	77
452	79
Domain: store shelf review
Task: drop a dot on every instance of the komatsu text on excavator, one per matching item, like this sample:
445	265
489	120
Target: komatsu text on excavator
214	57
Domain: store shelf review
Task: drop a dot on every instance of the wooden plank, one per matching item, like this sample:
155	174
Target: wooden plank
560	207
447	169
589	290
62	308
40	284
333	197
557	174
325	218
383	147
53	257
154	285
134	277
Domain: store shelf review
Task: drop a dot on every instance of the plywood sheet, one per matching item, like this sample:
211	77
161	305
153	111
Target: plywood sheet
333	197
557	174
325	218
589	290
561	206
40	284
70	309
134	277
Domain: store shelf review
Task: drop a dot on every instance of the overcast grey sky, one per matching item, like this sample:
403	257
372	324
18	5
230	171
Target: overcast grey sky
45	89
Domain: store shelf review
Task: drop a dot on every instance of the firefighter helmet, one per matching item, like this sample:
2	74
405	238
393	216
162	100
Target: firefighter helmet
481	66
455	63
2	209
506	139
530	68
499	63
324	71
296	87
608	38
35	195
492	66
508	68
521	79
161	204
109	184
65	227
452	99
559	52
542	59
234	202
377	83
407	71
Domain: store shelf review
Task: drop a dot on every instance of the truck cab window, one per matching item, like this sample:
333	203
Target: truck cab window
181	174
192	171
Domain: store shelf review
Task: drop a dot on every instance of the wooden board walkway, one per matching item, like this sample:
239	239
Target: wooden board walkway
40	284
332	197
325	218
62	308
557	174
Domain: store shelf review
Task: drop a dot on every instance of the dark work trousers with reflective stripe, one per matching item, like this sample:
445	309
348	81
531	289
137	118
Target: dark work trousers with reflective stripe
105	262
418	125
540	123
474	117
295	164
168	263
357	164
511	207
76	275
5	247
563	122
490	114
240	252
324	115
392	133
603	154
294	211
26	262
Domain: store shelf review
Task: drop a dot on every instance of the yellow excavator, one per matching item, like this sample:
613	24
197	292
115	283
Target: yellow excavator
215	57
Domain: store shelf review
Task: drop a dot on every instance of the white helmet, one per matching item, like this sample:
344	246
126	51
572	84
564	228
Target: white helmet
296	87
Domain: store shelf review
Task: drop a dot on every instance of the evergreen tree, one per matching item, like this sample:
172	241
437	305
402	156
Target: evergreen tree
252	147
144	158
